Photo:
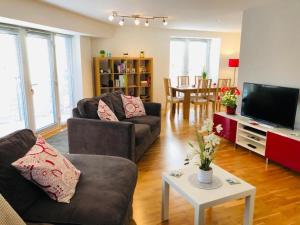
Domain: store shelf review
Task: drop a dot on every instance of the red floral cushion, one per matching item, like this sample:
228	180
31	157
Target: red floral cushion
133	106
105	113
51	171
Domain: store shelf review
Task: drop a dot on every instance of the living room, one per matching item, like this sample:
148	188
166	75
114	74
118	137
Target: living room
107	106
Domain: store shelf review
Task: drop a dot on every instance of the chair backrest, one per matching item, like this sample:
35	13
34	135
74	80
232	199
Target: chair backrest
204	88
223	83
197	78
167	85
183	81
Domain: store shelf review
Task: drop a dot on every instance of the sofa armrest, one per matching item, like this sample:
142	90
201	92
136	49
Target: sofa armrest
152	109
96	137
76	113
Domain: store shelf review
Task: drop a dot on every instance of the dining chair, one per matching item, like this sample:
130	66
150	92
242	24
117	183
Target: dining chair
196	80
169	96
215	99
202	96
183	81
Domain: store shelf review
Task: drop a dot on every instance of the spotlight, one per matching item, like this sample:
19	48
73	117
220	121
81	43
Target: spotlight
147	23
121	22
165	23
111	18
136	21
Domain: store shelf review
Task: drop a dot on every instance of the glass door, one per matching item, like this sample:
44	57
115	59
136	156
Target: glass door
63	52
12	101
40	61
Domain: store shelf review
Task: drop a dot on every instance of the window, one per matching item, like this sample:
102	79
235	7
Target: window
191	56
36	74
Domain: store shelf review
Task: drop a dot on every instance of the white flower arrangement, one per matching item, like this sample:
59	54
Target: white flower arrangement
207	142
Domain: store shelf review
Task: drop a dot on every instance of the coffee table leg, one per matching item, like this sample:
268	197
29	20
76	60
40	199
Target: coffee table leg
199	215
249	209
165	201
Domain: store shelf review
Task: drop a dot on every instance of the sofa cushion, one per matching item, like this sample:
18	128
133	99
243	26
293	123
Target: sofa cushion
88	107
105	113
103	195
142	131
117	103
19	192
46	167
152	121
133	106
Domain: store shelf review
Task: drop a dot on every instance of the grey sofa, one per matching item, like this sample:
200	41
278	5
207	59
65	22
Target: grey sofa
103	195
128	138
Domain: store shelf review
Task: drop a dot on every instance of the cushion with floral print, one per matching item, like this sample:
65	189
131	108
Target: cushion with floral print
133	106
105	113
50	170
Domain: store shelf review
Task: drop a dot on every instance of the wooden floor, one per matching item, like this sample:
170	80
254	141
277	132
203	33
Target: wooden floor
278	189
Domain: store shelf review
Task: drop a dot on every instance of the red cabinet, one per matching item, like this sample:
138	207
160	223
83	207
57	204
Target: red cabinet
283	150
229	127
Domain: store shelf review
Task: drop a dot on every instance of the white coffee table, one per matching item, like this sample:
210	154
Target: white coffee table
202	199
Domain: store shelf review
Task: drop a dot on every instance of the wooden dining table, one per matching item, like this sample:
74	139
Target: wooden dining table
187	91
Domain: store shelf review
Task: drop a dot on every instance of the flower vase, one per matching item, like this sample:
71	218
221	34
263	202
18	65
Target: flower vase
230	110
205	176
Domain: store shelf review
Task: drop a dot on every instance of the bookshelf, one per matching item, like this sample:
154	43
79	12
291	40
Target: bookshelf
132	75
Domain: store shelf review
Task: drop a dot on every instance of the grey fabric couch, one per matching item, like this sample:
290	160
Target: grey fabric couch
128	138
103	195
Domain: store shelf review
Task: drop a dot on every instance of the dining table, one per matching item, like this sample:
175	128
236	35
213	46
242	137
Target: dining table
187	91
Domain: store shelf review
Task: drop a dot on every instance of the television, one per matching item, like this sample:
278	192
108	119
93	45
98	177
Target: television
272	105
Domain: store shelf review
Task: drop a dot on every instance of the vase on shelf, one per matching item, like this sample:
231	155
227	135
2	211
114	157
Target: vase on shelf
231	110
205	176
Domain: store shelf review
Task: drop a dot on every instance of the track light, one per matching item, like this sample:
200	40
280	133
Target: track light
165	23
136	21
121	22
111	18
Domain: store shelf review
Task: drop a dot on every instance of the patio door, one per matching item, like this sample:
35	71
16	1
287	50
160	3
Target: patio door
41	71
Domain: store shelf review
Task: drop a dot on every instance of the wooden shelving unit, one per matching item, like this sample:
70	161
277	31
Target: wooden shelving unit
132	75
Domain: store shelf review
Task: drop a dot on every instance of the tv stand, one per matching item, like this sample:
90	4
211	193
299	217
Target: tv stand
277	144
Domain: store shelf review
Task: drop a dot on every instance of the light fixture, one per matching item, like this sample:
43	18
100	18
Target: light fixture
136	21
111	18
165	23
137	18
121	22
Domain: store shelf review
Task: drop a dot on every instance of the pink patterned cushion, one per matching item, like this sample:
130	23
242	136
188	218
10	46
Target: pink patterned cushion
133	106
46	167
105	113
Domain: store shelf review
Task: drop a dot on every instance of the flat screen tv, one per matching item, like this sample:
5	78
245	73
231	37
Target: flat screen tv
273	105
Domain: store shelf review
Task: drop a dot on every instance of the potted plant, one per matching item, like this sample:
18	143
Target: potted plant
204	75
229	99
203	153
102	53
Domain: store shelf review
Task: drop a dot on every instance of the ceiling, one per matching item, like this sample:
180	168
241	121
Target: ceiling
208	15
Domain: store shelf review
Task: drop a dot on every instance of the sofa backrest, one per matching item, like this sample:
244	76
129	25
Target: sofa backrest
88	107
19	192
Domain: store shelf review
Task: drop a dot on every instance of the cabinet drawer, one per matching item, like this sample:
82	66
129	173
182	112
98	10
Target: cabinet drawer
229	127
283	150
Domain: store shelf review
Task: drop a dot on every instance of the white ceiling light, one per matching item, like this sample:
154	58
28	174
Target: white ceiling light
165	23
147	23
111	18
136	21
121	22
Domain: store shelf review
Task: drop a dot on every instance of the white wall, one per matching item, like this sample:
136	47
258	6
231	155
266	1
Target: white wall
39	13
155	42
270	46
